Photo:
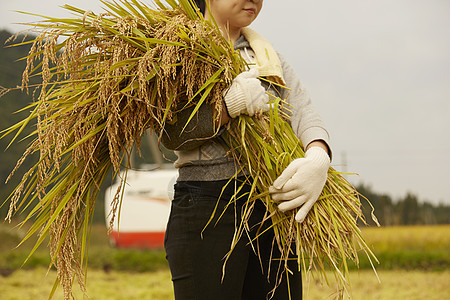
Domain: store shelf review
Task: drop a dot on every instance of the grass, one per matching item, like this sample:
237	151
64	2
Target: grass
101	255
415	264
410	247
398	285
395	284
399	238
31	284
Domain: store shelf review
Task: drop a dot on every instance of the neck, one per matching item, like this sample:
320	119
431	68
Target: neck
232	34
228	32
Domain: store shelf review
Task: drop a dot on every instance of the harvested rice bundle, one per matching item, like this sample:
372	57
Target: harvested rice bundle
115	76
329	236
131	69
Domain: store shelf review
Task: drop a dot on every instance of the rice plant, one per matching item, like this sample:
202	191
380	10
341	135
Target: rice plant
128	70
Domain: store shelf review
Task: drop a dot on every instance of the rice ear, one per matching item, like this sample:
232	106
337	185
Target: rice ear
129	70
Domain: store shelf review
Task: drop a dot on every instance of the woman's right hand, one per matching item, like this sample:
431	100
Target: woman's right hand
246	95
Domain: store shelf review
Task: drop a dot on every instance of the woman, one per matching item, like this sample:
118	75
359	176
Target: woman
195	252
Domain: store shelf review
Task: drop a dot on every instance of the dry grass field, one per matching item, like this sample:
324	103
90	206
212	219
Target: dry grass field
395	285
414	264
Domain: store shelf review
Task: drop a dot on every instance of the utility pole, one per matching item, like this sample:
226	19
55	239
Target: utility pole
344	161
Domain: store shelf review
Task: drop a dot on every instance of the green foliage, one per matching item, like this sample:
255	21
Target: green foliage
410	247
11	77
134	260
412	260
406	248
101	255
405	211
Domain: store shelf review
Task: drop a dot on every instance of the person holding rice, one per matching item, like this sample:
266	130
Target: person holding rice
255	200
201	228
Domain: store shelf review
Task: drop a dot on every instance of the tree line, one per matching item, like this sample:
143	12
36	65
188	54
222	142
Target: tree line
406	211
11	68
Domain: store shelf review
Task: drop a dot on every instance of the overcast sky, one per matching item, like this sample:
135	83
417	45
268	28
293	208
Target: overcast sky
378	72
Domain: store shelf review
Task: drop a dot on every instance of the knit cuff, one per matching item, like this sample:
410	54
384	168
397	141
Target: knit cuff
319	155
235	101
316	133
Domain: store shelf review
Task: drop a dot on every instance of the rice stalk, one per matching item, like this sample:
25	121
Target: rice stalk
121	73
115	76
329	236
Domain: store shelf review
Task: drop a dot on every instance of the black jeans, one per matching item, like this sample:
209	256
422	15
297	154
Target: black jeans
196	254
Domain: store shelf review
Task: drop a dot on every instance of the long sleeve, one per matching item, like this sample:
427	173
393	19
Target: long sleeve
305	120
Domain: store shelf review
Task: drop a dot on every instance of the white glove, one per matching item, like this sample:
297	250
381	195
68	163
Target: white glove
302	182
246	95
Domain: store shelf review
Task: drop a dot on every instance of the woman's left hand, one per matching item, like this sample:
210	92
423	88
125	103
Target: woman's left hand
302	182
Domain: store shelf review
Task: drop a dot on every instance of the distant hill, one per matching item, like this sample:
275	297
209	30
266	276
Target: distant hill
11	68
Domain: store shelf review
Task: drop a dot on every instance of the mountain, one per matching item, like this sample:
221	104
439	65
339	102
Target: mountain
11	68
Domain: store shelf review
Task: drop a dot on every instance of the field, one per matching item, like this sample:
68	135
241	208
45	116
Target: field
414	264
396	285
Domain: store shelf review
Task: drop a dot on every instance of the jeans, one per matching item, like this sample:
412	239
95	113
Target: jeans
196	252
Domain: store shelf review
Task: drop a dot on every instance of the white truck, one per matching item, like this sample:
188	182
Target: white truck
144	210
